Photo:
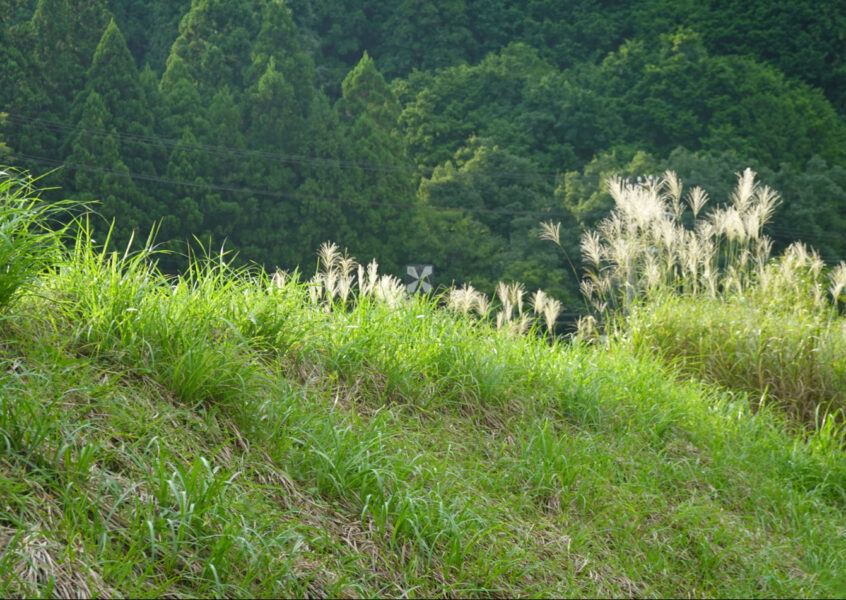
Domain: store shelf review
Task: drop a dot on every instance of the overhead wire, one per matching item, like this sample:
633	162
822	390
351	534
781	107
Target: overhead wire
49	162
219	150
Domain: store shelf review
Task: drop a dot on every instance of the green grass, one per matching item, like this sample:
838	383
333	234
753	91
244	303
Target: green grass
222	435
701	293
794	359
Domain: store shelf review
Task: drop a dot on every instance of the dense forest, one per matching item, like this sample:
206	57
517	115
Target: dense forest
420	132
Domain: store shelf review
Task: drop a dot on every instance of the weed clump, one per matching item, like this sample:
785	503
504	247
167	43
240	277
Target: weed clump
28	243
701	290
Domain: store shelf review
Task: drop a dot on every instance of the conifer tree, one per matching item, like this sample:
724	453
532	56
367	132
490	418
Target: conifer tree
61	39
4	149
215	40
181	100
115	78
99	173
113	107
381	182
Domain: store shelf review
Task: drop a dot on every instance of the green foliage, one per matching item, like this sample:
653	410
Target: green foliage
266	126
675	93
150	27
486	208
29	240
221	434
701	292
4	149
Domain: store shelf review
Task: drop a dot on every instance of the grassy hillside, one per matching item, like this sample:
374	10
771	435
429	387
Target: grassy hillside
231	433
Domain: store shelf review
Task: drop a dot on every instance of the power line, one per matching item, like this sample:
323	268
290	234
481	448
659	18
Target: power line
216	150
45	161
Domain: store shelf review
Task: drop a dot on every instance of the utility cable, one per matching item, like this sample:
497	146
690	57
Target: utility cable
49	162
215	150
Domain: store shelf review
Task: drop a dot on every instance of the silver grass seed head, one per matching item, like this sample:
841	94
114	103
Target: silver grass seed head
521	326
696	199
346	264
837	277
516	291
315	290
587	288
591	248
345	283
673	185
502	292
538	301
551	231
586	327
328	255
279	279
742	194
551	310
389	290
362	281
483	305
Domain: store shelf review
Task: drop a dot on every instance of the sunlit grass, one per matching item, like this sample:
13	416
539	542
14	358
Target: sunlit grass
229	433
699	289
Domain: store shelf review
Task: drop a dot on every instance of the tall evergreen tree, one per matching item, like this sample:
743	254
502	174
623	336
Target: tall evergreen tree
99	173
115	78
215	40
113	107
4	149
377	188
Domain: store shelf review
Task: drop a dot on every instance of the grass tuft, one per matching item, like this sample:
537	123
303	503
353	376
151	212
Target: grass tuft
228	433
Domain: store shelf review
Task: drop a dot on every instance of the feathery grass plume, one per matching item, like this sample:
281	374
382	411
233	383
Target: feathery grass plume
345	285
367	278
538	301
551	231
460	300
674	189
279	279
652	273
766	201
551	312
346	266
504	295
362	281
547	306
520	326
837	276
673	185
467	298
587	327
592	248
697	198
483	304
743	193
389	290
330	283
587	287
516	291
644	244
731	225
763	249
328	256
315	289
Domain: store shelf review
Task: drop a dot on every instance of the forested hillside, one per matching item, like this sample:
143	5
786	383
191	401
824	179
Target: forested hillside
438	133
